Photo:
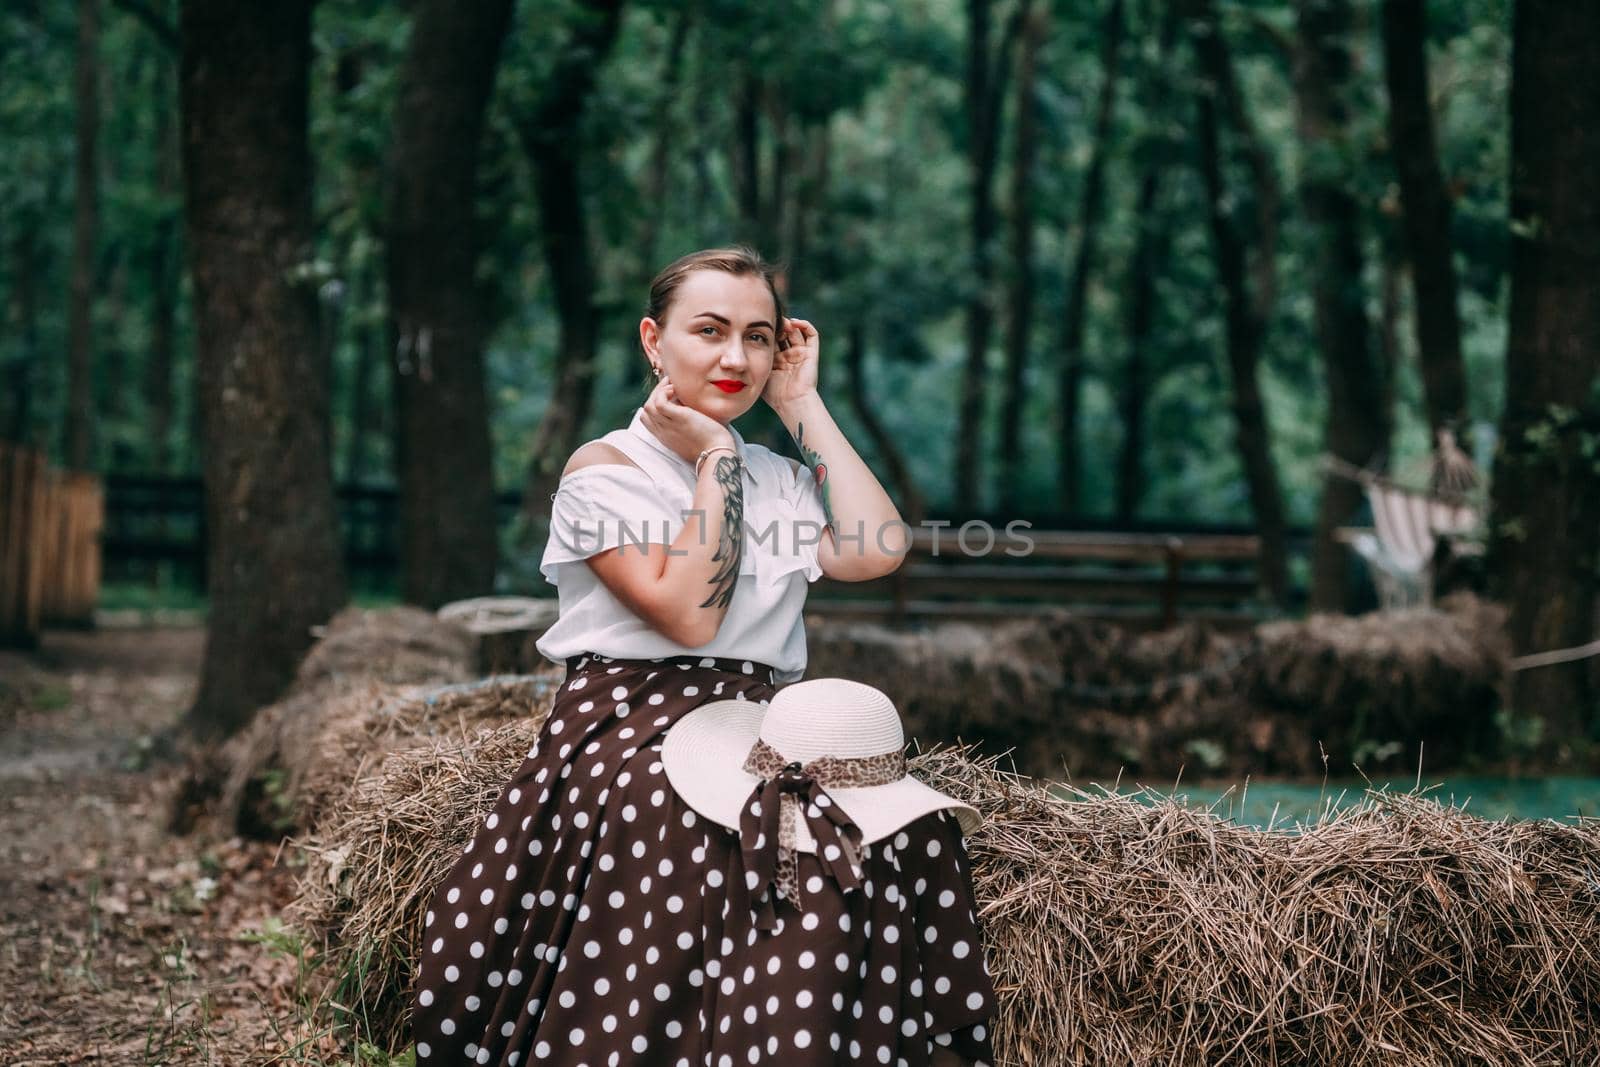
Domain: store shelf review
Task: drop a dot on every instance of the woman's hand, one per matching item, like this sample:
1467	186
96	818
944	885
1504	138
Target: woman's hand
680	427
794	367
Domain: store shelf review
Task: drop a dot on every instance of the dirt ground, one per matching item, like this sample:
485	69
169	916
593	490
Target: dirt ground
118	942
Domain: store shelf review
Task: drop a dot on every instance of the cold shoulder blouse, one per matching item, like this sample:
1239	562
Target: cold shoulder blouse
615	505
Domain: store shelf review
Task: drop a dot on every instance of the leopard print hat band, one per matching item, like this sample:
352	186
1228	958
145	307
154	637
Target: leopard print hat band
789	791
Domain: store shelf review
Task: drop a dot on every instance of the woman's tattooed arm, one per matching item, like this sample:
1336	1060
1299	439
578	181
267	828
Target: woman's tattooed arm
730	547
864	536
819	470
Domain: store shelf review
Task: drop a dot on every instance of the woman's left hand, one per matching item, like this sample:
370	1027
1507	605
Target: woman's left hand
794	369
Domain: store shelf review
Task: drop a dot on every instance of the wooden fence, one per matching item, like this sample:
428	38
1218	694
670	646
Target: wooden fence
1149	575
1141	578
50	562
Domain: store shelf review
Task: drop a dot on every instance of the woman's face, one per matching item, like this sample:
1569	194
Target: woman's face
720	328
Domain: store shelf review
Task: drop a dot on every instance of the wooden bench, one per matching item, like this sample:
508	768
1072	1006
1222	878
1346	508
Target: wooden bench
1111	575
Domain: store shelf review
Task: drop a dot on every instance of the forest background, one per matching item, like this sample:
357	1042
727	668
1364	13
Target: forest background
1114	264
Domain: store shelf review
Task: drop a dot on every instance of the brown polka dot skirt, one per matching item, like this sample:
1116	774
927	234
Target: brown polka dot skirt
595	919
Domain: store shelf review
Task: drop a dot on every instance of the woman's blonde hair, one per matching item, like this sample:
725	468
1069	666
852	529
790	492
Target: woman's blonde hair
741	260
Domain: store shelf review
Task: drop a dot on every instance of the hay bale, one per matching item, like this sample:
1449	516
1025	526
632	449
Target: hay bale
313	748
1045	690
1431	673
401	645
252	783
374	858
361	728
1397	932
953	680
1074	696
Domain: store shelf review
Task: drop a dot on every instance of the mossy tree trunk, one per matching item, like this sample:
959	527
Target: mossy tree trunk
440	311
1358	421
1545	534
1425	203
274	567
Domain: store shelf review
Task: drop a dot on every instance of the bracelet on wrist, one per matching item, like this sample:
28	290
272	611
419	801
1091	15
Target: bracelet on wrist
707	452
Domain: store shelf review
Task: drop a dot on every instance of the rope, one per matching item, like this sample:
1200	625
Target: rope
1558	655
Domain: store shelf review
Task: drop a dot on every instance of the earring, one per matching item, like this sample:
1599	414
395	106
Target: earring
657	368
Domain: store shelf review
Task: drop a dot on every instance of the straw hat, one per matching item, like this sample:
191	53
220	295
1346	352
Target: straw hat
820	768
704	754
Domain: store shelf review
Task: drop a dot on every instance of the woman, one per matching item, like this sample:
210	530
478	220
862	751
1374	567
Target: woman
590	920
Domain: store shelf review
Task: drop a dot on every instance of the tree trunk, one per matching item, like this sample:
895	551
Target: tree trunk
806	221
813	252
1358	424
783	156
667	144
985	88
657	180
1148	254
1246	313
1391	344
550	138
80	414
1020	321
439	311
1546	505
1086	248
747	154
273	562
913	507
1154	230
165	275
1426	206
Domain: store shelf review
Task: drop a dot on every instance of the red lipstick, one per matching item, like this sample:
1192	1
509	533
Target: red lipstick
728	385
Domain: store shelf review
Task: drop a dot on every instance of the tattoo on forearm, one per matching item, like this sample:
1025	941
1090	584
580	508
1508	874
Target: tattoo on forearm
819	470
730	546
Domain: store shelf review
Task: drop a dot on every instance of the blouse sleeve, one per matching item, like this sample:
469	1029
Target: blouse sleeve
805	497
602	506
958	992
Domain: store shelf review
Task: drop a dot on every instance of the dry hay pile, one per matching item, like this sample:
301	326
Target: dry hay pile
1080	695
1060	692
1423	672
366	686
953	680
375	855
355	732
401	645
1398	932
1379	691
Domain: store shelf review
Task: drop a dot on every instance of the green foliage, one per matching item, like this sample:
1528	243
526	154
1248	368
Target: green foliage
1521	733
1210	753
51	698
272	784
888	248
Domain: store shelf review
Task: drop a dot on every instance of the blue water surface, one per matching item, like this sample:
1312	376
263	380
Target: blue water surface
1281	804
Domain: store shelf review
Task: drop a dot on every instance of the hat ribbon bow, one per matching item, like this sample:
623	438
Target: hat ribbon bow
789	791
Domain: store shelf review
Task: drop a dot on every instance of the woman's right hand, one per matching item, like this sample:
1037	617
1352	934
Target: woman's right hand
680	427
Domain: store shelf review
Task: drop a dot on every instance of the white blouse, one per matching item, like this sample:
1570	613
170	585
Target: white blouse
606	505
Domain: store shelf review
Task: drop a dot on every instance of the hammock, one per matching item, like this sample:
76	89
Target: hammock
1408	523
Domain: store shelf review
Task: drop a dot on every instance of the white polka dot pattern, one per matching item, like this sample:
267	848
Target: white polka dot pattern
629	936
